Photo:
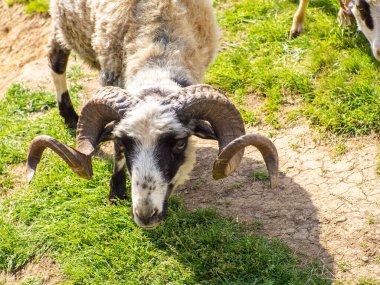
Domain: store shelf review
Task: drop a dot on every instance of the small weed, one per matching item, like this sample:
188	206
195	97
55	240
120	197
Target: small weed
371	221
368	281
260	175
32	6
75	73
196	185
33	281
340	149
294	146
235	186
344	266
258	225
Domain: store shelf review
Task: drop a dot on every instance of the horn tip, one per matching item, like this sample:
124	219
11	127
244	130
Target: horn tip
30	174
274	182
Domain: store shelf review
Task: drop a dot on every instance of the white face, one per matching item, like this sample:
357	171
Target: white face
159	157
367	15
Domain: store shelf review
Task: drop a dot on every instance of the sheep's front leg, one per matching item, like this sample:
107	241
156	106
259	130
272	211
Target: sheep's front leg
58	57
117	184
299	19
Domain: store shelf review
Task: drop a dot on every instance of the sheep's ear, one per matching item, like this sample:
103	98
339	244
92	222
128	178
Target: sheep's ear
107	133
202	129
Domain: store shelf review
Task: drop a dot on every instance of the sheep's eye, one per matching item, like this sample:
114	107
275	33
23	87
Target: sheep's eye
180	145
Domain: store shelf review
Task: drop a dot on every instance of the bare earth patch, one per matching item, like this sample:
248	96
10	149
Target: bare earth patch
23	40
44	271
327	204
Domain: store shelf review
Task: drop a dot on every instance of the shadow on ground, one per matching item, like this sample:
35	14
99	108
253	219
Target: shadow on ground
286	213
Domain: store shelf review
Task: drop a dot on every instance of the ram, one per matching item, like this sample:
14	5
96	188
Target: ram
366	13
157	51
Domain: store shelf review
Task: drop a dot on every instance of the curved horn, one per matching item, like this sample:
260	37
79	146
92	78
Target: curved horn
109	104
263	144
78	162
211	104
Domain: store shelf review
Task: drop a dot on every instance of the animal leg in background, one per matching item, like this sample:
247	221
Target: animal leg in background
58	57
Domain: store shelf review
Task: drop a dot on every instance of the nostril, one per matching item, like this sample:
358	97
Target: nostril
146	216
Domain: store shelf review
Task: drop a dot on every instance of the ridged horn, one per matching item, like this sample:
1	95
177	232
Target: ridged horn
108	105
264	145
211	104
78	162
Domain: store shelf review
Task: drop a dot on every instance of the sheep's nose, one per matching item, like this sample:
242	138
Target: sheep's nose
146	216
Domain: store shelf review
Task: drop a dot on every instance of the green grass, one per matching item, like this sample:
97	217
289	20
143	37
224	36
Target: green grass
32	6
328	69
70	220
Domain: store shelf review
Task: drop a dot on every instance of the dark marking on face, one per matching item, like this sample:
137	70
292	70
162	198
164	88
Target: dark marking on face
118	185
144	185
66	110
118	180
129	145
183	82
58	60
180	77
365	13
170	153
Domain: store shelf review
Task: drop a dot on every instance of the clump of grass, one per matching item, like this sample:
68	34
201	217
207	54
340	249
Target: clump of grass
368	281
340	149
75	72
32	6
260	175
70	219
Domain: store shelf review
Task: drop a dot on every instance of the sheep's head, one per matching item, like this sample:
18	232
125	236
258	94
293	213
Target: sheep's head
154	136
367	15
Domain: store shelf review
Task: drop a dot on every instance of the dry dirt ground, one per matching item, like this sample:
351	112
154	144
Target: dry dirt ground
327	204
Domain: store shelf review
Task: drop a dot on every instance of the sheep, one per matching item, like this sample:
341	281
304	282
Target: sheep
156	52
366	13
